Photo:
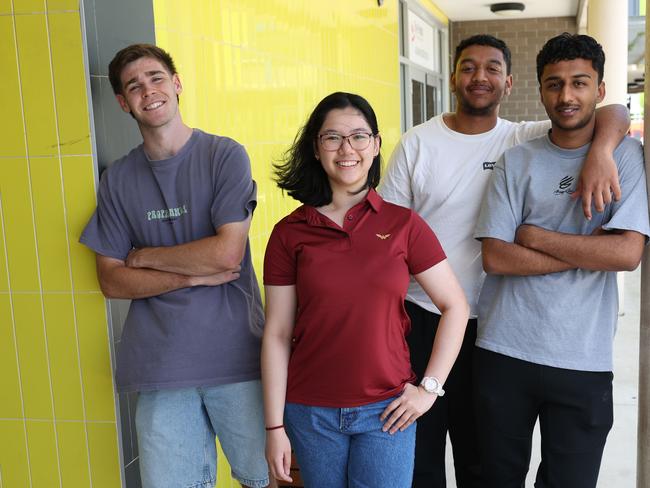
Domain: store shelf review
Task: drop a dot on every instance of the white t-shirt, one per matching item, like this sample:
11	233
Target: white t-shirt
442	175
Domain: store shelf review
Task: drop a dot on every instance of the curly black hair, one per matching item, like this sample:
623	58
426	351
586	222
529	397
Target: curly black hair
567	47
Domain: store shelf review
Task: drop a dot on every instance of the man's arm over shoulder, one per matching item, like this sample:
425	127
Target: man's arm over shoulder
598	181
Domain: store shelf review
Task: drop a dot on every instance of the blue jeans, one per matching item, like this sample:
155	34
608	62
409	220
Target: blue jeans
176	435
345	447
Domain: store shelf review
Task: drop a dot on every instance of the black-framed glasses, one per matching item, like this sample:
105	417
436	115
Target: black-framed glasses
333	142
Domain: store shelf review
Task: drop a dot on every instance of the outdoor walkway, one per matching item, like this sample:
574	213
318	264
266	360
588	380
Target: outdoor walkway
619	460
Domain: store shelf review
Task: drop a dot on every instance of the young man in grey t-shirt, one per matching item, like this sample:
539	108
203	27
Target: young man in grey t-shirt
548	308
171	234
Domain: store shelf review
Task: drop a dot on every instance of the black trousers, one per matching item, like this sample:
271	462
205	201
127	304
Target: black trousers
575	415
452	412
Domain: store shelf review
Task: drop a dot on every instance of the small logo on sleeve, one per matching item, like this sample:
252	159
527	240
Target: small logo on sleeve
489	165
565	186
383	237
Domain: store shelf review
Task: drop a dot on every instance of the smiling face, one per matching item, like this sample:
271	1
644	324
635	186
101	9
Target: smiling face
570	91
149	93
346	168
480	80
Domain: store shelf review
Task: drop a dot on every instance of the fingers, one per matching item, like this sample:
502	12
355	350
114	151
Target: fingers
616	190
281	467
391	406
287	466
586	204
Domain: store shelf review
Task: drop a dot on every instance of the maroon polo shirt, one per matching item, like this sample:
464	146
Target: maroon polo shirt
349	345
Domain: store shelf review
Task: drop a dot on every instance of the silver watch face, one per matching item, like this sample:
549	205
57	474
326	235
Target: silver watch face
430	385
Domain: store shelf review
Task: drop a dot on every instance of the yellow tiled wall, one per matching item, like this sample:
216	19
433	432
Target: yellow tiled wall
57	410
254	69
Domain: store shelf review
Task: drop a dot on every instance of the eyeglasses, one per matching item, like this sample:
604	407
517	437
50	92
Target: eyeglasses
333	142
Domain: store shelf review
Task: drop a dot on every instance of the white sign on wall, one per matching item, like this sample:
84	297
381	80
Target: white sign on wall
421	42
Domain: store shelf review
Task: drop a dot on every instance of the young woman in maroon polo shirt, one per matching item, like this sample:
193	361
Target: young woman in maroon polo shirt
338	385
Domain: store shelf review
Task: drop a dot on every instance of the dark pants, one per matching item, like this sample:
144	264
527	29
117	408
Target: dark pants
575	415
452	412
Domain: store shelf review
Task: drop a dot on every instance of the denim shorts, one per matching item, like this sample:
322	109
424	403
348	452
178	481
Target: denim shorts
176	435
346	448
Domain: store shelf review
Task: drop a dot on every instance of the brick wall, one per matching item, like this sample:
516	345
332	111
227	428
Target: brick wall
524	37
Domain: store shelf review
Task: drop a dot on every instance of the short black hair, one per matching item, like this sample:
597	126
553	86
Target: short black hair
567	47
300	174
133	53
485	40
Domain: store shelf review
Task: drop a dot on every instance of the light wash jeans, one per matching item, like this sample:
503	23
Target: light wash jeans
176	435
346	448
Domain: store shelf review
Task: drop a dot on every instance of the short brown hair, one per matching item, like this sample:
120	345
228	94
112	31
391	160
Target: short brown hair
132	53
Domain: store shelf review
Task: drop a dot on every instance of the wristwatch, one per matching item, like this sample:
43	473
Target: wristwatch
431	384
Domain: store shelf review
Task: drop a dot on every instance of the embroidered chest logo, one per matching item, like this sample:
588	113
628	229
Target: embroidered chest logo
565	186
489	165
383	237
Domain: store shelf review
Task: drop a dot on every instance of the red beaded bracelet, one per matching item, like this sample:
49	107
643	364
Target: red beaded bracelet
281	426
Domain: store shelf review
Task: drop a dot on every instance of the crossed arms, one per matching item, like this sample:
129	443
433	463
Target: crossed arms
152	271
539	251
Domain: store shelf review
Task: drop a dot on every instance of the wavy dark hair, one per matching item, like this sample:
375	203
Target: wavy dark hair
300	174
133	53
567	47
484	40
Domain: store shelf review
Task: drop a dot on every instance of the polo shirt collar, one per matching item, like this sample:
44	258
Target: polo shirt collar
309	214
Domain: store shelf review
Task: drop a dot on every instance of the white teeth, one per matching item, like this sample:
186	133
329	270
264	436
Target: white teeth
153	106
346	164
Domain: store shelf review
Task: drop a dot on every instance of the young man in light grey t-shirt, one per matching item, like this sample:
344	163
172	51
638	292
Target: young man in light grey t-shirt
548	308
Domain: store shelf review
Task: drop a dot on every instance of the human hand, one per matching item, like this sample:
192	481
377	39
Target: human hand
278	454
216	278
598	182
134	258
526	234
403	411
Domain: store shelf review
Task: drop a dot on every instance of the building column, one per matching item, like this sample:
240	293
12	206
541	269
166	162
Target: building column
607	22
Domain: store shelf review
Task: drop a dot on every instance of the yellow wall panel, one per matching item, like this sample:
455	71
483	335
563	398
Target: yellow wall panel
73	455
95	360
6	8
80	201
13	454
10	401
64	358
11	123
32	356
104	463
51	242
70	83
54	5
43	453
36	82
18	228
29	6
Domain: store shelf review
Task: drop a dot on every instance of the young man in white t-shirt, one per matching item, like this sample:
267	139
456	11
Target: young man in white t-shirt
441	169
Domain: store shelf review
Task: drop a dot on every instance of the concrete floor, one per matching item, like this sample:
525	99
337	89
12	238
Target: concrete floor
618	468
